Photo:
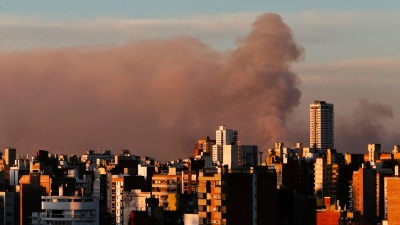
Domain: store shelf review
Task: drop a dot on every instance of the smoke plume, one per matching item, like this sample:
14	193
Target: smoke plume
363	127
154	97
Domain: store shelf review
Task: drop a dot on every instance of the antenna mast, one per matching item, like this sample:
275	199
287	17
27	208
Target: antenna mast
98	142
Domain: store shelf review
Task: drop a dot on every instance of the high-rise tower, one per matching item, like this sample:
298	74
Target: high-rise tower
321	126
10	156
224	137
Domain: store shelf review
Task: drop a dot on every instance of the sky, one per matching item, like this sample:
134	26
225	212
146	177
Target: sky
65	69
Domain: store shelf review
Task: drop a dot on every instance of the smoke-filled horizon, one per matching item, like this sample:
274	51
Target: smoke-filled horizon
158	97
153	97
364	126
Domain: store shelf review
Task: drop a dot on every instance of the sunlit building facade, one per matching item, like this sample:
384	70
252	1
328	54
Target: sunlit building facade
238	196
166	187
321	126
69	210
223	137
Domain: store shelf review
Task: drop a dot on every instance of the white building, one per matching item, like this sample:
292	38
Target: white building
319	177
223	137
16	173
106	156
191	219
69	210
230	156
374	151
134	200
321	126
115	186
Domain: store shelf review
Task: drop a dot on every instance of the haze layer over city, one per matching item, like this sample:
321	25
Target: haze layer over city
155	77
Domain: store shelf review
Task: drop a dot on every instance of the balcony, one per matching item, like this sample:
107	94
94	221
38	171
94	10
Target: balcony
217	189
218	215
202	189
202	202
202	214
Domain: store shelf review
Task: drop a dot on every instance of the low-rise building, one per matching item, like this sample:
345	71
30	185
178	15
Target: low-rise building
69	210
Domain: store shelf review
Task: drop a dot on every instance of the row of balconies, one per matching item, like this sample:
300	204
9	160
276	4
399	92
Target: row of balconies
164	185
214	215
208	189
68	217
172	182
164	190
208	202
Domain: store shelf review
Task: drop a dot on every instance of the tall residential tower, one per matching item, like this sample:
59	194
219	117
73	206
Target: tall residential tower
224	138
321	126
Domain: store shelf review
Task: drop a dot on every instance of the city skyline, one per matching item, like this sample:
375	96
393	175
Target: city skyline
347	58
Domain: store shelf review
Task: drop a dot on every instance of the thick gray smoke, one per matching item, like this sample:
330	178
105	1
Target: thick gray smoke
363	127
154	97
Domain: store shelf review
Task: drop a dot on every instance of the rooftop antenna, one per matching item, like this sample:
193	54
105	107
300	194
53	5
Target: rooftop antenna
98	142
260	153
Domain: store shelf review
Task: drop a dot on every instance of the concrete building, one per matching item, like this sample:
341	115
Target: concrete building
396	149
191	219
230	156
381	174
319	180
330	214
68	210
189	181
116	186
240	196
105	157
10	155
32	188
326	176
248	155
210	199
147	171
353	163
204	145
16	172
364	193
294	208
297	174
374	151
321	126
134	200
224	136
166	188
9	208
392	204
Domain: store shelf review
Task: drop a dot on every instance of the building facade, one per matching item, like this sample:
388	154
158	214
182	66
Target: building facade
223	137
69	210
166	187
364	193
32	188
238	196
392	204
115	189
9	208
10	155
374	151
321	125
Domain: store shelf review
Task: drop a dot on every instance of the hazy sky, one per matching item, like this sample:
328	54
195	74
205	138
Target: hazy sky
351	58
